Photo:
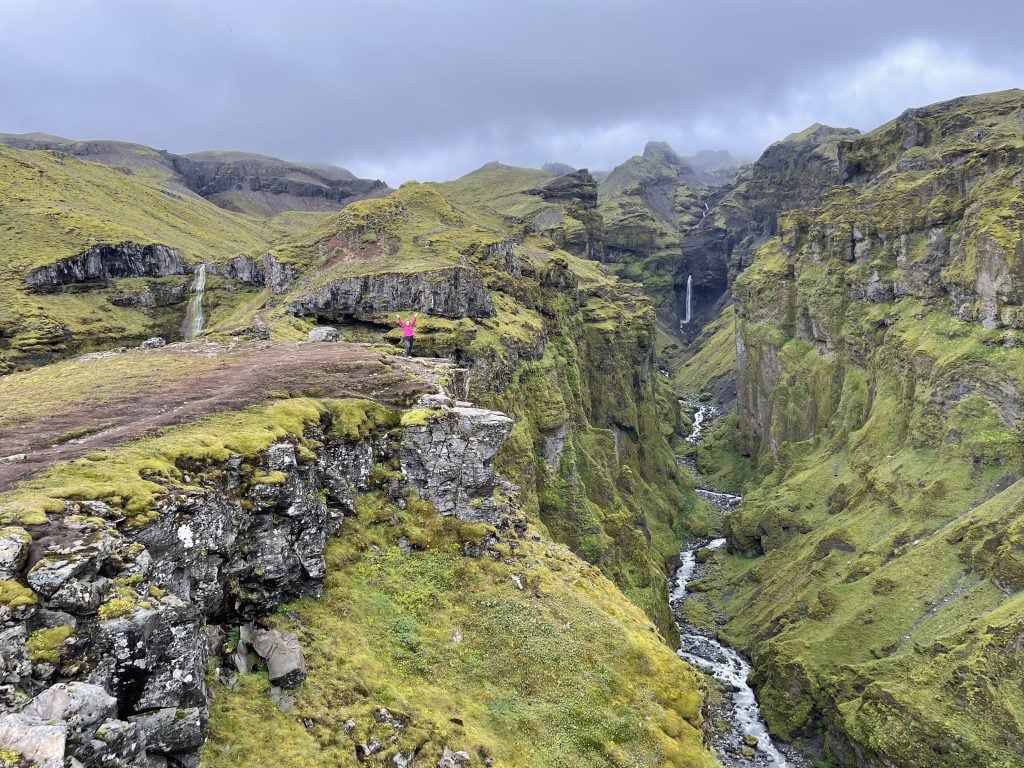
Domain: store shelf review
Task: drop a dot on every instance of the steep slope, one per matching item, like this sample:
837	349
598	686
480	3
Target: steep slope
880	383
238	181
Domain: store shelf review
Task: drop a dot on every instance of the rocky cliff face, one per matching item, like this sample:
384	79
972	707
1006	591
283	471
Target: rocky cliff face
107	628
879	354
265	272
103	262
448	292
576	193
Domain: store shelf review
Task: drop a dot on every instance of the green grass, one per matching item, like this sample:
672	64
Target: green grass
132	476
54	207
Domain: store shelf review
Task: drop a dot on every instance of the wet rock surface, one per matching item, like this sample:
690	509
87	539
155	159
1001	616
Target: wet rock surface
104	654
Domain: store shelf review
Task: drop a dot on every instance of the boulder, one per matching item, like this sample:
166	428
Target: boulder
451	759
286	666
170	730
81	705
41	742
154	343
324	333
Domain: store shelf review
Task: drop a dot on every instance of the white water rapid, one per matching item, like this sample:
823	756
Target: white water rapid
194	317
725	664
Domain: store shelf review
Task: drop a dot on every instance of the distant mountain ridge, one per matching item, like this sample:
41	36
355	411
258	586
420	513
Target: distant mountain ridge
237	181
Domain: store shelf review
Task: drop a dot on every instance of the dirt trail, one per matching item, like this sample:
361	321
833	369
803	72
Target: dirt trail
250	374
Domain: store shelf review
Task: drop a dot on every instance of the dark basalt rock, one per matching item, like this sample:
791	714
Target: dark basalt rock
267	272
151	296
448	292
103	262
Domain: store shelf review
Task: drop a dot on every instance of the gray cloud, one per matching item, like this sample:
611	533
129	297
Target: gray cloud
411	89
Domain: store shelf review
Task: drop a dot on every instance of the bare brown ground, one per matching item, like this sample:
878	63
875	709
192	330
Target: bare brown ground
248	374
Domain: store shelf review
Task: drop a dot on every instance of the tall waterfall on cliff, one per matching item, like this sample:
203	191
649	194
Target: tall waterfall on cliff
194	312
689	290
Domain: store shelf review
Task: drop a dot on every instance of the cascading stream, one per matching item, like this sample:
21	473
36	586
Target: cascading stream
725	664
194	317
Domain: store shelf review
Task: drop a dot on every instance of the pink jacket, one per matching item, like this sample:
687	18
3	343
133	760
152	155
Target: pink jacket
407	328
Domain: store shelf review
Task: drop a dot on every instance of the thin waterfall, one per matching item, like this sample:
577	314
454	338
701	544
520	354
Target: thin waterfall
689	292
194	317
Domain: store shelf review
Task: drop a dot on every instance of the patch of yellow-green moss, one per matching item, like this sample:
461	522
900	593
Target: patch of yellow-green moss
420	417
15	595
44	645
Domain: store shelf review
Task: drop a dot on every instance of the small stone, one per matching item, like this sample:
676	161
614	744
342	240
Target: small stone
80	705
456	636
286	665
170	729
14	544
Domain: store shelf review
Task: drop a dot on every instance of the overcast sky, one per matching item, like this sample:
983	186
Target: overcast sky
430	89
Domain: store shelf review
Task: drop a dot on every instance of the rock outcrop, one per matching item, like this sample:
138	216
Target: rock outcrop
240	181
447	460
152	295
103	262
266	272
447	292
104	640
576	194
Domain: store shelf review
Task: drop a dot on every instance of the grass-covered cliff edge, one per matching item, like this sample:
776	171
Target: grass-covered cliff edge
875	567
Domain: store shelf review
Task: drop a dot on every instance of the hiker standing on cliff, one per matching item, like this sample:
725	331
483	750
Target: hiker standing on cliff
408	331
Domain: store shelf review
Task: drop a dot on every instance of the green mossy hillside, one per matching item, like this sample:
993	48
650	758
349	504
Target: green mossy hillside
560	672
53	206
877	575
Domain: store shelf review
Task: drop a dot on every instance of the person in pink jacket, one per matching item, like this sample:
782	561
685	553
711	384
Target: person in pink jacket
408	331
